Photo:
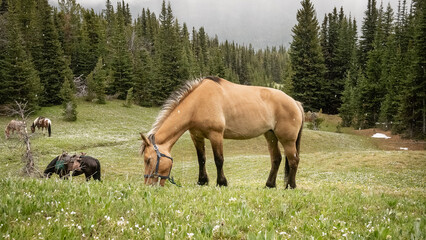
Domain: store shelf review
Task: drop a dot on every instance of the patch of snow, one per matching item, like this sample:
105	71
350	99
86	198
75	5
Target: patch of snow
403	148
380	135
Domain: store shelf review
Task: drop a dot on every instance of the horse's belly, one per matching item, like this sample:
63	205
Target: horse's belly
245	131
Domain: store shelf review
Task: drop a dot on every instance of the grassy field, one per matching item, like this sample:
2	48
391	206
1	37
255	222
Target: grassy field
347	188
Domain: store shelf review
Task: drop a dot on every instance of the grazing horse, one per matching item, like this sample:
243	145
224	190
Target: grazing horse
42	122
13	126
79	164
214	109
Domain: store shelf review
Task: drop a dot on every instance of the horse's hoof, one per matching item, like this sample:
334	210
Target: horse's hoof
223	184
202	183
270	185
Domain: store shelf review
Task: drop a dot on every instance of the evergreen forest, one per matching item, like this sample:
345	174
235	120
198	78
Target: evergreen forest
371	75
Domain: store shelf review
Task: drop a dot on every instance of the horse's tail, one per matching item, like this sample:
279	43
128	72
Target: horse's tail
49	128
299	136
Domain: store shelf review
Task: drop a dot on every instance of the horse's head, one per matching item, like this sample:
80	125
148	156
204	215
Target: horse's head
157	160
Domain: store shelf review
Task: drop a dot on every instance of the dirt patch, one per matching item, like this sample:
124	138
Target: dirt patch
395	142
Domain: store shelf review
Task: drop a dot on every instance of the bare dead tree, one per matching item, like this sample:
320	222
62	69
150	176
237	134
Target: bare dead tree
22	111
81	86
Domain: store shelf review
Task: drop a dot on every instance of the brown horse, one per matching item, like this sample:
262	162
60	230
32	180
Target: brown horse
215	109
42	122
13	126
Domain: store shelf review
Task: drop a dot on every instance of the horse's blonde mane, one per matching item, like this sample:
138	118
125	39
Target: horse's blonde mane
173	101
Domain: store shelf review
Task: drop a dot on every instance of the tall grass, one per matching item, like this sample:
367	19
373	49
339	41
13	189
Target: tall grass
347	189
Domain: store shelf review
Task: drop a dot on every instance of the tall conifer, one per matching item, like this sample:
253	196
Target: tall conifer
307	59
168	55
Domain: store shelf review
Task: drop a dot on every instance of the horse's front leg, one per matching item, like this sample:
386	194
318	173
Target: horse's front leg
201	154
216	140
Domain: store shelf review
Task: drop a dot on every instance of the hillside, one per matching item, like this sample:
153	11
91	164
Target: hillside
111	133
346	187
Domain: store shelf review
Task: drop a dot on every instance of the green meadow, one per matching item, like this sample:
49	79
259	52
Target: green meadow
347	187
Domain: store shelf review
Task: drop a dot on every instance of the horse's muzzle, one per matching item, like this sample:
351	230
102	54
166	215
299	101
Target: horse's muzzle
152	180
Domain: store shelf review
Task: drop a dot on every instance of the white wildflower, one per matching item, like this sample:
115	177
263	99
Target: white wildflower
215	228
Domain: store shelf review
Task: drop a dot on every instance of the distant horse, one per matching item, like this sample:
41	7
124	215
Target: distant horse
78	164
42	122
13	126
215	109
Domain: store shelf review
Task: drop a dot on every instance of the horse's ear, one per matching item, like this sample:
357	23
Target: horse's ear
145	140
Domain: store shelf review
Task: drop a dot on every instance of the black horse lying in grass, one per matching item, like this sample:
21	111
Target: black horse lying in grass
78	164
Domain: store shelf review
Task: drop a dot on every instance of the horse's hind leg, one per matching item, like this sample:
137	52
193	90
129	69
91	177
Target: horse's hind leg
201	154
274	151
216	139
291	164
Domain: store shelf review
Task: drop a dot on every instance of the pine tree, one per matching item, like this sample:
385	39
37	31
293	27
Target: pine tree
368	30
202	56
287	75
338	40
374	86
121	63
68	101
188	57
307	60
20	81
68	28
48	55
412	111
390	76
96	83
168	56
90	46
129	98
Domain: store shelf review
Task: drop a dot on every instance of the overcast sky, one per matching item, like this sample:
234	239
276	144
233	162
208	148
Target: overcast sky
259	22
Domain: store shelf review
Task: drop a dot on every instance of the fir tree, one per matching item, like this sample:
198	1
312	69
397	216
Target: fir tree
96	83
121	64
412	111
338	40
168	56
50	61
368	30
129	98
307	60
68	101
20	81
